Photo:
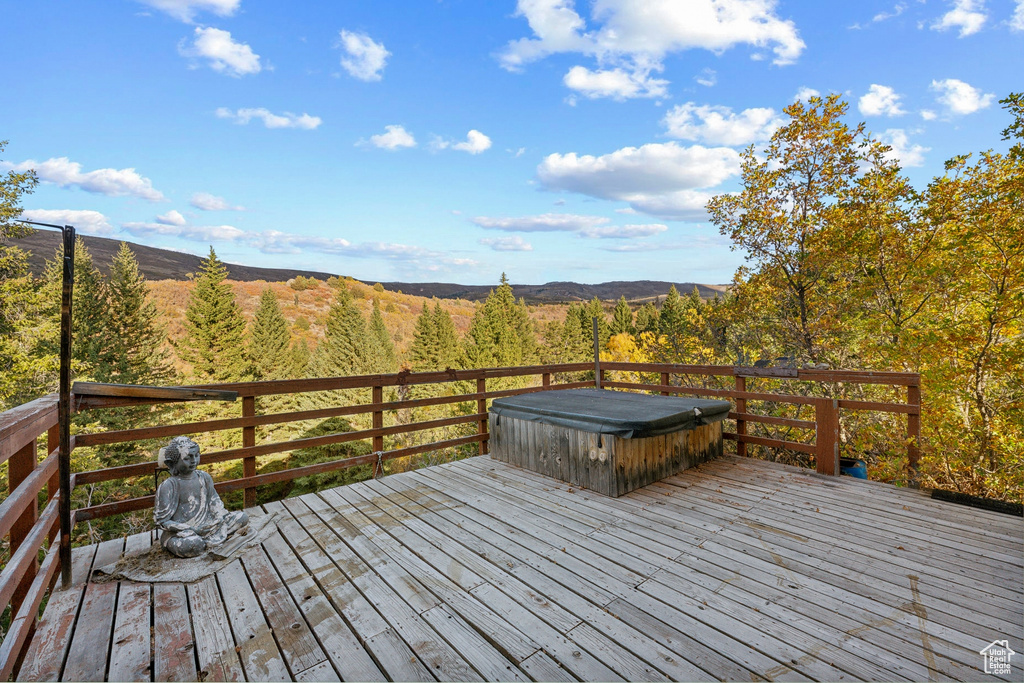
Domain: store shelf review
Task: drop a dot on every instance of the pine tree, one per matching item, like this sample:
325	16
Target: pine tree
594	309
138	355
622	318
27	369
298	359
647	319
671	319
269	340
423	352
380	350
214	342
500	333
343	350
93	339
448	351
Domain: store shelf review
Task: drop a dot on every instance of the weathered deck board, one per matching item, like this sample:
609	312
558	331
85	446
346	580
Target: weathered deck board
478	570
174	646
90	648
215	649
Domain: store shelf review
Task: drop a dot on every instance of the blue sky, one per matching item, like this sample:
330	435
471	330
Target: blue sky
451	140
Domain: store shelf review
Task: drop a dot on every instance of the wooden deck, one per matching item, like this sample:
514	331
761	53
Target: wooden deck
737	570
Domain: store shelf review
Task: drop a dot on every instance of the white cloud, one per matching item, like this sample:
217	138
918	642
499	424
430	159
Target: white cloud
277	242
629	211
902	151
85	221
928	115
897	10
366	59
1017	20
185	10
208	202
547	222
514	243
967	15
125	182
804	94
624	231
617	84
880	100
644	31
270	120
195	233
707	77
719	125
172	217
222	53
961	98
593	227
661	179
396	137
475	143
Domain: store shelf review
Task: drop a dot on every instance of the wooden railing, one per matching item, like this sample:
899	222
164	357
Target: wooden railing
23	584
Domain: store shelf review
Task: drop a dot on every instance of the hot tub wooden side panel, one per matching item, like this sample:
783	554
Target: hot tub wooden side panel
615	467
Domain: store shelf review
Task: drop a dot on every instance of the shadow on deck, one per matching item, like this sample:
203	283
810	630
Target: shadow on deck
739	569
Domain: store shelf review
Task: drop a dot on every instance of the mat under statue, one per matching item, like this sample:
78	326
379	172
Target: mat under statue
188	510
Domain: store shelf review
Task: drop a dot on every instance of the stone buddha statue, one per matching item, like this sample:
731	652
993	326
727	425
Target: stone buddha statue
188	512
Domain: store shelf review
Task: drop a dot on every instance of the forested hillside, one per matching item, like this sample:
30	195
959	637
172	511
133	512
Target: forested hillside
848	266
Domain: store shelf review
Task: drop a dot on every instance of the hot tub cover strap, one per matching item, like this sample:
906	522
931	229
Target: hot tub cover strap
603	411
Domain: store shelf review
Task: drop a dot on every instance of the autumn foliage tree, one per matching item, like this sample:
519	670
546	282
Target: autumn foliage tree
784	220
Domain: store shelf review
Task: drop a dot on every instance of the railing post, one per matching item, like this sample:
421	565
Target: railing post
545	379
914	434
248	441
741	424
598	375
826	418
378	423
21	465
481	407
664	382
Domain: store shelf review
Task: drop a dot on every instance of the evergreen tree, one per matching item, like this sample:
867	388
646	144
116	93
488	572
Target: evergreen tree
93	346
26	369
592	310
647	319
380	350
214	342
622	318
423	352
138	356
577	343
343	350
449	352
269	340
671	318
500	333
298	359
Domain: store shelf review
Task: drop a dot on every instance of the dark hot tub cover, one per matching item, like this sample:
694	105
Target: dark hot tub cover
626	415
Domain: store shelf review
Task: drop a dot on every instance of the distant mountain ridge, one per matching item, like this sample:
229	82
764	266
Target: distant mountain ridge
164	264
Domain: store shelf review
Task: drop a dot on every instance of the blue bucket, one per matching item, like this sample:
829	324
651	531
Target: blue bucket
854	468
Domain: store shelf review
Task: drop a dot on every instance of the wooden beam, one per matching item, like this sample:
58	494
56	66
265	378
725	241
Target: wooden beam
82	389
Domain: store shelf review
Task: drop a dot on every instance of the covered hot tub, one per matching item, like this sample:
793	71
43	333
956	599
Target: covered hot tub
606	441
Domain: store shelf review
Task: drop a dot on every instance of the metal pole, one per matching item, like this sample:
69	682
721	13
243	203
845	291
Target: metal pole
597	357
64	406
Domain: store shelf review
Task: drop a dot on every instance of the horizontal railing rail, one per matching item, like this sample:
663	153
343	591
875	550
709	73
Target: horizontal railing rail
25	582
